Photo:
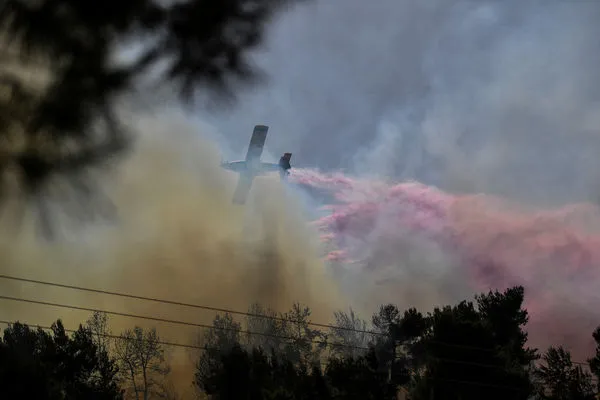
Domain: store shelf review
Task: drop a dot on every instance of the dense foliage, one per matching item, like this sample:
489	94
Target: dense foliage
35	364
471	350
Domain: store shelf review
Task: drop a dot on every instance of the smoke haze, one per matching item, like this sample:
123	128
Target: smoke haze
175	235
474	97
498	101
499	97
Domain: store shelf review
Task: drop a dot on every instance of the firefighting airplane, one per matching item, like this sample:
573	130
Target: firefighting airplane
252	166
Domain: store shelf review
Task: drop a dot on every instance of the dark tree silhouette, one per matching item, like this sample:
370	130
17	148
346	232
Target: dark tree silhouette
350	336
287	336
473	350
216	343
265	329
398	349
67	121
386	323
252	374
359	378
559	379
595	361
140	356
35	364
303	344
477	352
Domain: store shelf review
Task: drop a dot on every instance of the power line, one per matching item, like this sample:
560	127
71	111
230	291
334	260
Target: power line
215	309
107	335
467	347
203	307
172	321
182	304
205	348
481	384
205	326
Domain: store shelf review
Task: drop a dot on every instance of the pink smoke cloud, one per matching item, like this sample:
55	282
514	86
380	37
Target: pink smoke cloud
554	254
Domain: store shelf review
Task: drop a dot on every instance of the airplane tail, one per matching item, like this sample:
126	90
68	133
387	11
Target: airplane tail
284	164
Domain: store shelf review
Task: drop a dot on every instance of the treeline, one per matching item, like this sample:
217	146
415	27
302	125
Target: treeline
472	350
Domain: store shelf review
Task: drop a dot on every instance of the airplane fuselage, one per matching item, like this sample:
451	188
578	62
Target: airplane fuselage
246	167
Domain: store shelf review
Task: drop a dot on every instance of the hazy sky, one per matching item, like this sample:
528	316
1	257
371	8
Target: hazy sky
489	96
495	96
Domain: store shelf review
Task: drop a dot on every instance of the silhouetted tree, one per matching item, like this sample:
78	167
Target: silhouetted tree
252	374
595	361
397	346
303	344
350	336
477	352
35	364
97	323
264	329
503	315
244	373
559	379
386	321
215	342
473	350
140	355
358	378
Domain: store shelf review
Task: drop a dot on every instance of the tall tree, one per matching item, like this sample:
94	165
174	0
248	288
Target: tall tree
349	337
595	361
141	357
264	328
252	374
397	346
503	315
477	352
303	344
35	364
97	323
560	379
215	342
359	378
386	322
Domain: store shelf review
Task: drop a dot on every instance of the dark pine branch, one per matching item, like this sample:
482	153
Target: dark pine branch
206	41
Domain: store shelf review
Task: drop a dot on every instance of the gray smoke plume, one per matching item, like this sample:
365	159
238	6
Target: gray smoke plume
494	97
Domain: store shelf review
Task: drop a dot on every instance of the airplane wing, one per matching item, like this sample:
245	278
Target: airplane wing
257	143
243	188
